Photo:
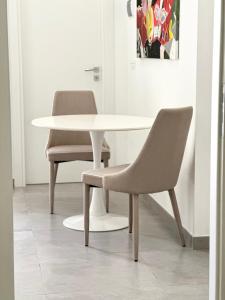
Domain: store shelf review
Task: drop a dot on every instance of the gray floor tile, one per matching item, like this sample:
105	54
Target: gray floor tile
119	275
200	292
128	294
29	282
30	297
25	252
52	263
45	221
21	221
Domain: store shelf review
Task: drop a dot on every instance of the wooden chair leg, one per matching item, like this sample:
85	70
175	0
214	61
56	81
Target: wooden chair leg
135	226
51	186
130	213
106	164
177	215
86	204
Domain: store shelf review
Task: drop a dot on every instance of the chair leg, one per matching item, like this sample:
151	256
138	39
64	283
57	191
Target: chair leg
130	213
106	193
86	204
177	215
53	175
56	171
135	226
106	164
51	186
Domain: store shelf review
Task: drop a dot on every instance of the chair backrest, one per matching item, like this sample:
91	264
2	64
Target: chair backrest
71	103
158	165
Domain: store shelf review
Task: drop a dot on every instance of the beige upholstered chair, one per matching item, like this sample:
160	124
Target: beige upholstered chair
155	170
66	146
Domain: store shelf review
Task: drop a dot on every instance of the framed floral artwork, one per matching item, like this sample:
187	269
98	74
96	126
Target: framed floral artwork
158	29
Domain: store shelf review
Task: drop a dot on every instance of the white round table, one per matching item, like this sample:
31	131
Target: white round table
96	125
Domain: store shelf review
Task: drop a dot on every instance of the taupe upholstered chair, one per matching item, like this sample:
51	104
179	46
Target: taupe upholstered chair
155	170
66	146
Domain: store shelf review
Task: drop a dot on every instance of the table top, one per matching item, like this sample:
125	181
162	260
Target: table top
94	122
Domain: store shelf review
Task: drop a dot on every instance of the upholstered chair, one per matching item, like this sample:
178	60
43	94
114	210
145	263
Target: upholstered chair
155	170
67	146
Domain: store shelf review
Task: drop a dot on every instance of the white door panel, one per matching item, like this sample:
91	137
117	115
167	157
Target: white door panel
60	38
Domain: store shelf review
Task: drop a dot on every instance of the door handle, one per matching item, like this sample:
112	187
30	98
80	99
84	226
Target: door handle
95	70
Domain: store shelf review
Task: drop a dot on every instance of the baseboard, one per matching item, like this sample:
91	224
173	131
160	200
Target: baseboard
196	243
200	242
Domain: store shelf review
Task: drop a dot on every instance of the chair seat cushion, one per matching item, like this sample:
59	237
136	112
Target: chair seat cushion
74	152
95	177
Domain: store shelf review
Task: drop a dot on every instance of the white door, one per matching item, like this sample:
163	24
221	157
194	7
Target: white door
60	39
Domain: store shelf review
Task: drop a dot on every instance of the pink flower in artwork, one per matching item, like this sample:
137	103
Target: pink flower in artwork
160	14
144	5
162	17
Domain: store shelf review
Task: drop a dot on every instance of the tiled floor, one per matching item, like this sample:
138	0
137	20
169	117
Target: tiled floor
51	262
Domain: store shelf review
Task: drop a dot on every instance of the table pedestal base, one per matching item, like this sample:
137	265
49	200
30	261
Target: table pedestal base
108	222
99	219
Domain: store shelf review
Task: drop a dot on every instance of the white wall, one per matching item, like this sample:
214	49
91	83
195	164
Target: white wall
216	257
6	230
145	86
203	117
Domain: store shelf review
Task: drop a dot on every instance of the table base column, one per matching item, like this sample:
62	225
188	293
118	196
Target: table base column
99	219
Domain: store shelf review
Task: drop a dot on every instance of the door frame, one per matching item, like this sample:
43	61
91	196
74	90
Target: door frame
16	92
217	196
16	79
6	212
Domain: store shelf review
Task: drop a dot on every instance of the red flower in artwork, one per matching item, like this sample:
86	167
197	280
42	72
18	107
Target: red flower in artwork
141	26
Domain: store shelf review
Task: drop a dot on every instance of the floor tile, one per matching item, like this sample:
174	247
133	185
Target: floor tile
29	282
118	276
52	263
200	292
30	297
